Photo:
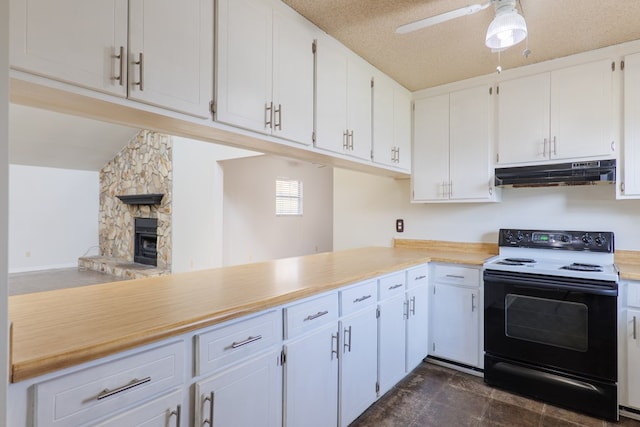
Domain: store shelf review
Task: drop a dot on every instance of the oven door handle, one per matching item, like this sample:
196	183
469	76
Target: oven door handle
565	284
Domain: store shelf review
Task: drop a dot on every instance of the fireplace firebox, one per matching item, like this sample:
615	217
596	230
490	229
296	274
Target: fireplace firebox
146	241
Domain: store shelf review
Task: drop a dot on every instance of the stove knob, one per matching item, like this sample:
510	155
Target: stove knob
601	240
519	236
587	240
564	238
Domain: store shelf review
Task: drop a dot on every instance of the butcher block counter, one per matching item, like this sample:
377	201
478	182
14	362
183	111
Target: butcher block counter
59	329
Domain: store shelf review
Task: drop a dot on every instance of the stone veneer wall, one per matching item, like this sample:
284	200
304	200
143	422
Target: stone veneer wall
142	167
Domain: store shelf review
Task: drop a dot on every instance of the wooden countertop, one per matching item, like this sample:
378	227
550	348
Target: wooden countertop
628	263
58	329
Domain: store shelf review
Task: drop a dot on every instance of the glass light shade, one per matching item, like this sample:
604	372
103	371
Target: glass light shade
506	29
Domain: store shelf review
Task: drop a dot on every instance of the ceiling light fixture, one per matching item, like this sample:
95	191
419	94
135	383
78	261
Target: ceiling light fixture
508	28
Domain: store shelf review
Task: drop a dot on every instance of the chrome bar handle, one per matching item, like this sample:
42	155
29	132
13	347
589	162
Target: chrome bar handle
315	316
362	298
454	276
405	309
249	340
268	115
555	146
278	111
634	327
422	276
177	413
351	143
140	62
412	306
134	383
337	338
396	286
544	147
205	400
345	140
473	302
120	57
346	345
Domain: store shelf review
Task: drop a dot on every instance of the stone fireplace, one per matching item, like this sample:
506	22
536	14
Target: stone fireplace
136	186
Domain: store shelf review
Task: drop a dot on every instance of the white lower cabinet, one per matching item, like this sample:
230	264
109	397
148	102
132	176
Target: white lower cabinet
245	395
391	331
455	310
311	366
629	345
417	326
165	411
633	358
358	351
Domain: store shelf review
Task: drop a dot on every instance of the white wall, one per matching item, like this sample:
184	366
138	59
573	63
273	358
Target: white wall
253	232
197	203
4	188
53	217
366	207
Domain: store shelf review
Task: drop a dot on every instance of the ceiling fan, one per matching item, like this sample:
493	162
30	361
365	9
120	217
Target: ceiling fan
508	28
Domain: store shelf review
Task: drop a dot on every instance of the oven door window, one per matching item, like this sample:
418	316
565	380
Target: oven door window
553	322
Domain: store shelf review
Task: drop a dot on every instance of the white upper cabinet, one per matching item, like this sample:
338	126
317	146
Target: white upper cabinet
631	171
564	114
343	100
452	146
171	54
391	123
265	69
162	56
74	41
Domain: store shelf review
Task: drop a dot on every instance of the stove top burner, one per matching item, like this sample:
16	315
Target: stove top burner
577	266
516	261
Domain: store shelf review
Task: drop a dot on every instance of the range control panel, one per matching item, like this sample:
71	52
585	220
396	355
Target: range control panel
594	241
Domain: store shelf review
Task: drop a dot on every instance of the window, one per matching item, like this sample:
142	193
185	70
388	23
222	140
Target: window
288	197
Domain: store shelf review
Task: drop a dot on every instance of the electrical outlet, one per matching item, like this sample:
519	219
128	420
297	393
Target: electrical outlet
399	225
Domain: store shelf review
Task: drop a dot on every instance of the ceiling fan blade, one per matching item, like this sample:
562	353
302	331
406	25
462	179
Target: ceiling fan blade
437	19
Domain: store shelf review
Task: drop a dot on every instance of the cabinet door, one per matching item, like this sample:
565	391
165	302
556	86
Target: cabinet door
292	78
165	411
359	75
523	119
633	357
470	169
257	383
581	111
311	379
75	41
391	342
417	326
331	97
455	324
176	39
244	64
391	124
631	170
358	364
430	171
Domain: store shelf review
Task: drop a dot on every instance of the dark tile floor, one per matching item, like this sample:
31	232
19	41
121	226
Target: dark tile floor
437	396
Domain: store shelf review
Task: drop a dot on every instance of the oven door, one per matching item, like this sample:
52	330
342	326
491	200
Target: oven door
558	323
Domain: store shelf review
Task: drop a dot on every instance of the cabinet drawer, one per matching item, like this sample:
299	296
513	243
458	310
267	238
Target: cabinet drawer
633	294
309	315
392	284
417	276
92	393
228	344
456	275
358	297
163	411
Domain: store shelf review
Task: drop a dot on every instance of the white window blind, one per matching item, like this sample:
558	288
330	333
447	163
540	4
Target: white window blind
288	197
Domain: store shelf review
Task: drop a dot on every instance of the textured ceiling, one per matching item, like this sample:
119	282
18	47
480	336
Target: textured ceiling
455	50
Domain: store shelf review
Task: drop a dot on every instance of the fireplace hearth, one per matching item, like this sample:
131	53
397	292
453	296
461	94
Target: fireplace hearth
146	241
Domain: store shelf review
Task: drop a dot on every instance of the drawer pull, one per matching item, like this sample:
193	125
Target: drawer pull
362	298
399	285
315	316
455	276
420	277
134	383
634	327
249	340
